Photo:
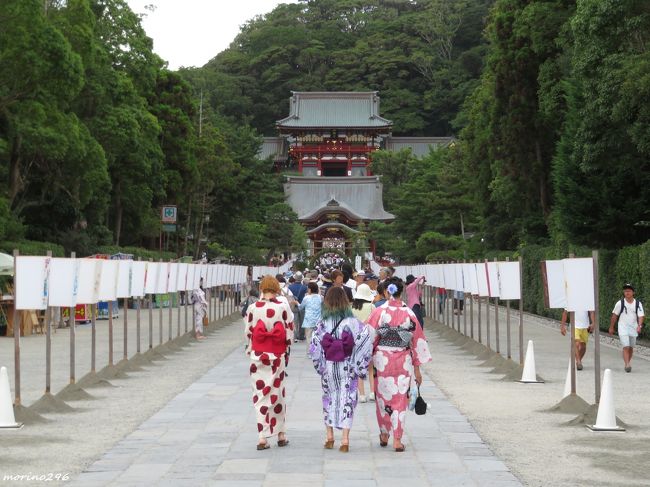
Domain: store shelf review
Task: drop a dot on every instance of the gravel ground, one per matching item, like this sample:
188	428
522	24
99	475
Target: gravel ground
537	445
69	442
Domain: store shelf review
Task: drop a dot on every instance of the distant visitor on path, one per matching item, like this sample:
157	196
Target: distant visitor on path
341	349
269	333
200	308
400	348
414	296
361	308
584	321
311	308
628	315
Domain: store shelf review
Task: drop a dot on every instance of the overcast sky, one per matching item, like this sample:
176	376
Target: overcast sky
191	32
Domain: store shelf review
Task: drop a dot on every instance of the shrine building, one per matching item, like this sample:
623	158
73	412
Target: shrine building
327	141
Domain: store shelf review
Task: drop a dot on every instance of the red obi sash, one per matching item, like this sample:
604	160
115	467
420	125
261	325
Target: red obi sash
273	341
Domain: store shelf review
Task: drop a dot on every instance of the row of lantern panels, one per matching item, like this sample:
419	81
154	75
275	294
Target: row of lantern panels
261	271
48	281
568	283
486	279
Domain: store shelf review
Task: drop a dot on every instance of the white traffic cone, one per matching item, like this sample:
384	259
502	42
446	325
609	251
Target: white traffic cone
529	376
606	418
7	418
567	382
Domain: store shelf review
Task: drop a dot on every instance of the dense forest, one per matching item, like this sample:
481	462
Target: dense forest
547	100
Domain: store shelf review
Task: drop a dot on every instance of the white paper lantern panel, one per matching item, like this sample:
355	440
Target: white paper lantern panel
450	276
64	274
471	278
493	279
108	281
124	278
151	278
579	279
162	278
482	278
555	292
88	278
509	280
460	278
181	277
172	282
138	271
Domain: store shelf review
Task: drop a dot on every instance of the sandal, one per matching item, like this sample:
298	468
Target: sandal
329	444
383	443
283	442
344	448
400	449
263	446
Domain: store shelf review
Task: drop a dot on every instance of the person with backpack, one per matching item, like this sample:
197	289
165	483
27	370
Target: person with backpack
584	321
253	296
341	349
298	289
628	316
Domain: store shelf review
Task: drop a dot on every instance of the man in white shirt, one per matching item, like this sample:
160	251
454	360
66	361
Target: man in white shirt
584	326
628	313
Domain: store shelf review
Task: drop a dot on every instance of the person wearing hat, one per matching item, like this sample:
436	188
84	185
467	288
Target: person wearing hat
361	308
298	289
628	315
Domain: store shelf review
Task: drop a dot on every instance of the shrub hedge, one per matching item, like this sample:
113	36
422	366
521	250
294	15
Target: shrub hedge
30	247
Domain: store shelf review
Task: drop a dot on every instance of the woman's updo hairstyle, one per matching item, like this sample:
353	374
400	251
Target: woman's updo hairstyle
395	286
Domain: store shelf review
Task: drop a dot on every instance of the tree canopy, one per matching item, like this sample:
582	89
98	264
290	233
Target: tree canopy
547	100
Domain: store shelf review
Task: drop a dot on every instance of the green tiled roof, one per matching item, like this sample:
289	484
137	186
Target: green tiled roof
336	109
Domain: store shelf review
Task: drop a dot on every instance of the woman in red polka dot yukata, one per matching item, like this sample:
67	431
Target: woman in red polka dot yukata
269	333
400	348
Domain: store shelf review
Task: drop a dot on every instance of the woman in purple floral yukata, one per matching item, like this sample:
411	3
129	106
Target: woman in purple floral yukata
341	348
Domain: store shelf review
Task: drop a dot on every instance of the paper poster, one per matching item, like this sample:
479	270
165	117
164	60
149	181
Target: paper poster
579	284
493	279
138	271
124	278
482	279
554	285
108	281
509	280
63	282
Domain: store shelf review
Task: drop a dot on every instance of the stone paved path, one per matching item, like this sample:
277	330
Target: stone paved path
206	436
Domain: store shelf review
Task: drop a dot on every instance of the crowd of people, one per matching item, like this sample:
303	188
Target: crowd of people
356	326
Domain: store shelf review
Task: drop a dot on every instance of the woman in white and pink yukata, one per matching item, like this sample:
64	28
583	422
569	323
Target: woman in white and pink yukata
399	350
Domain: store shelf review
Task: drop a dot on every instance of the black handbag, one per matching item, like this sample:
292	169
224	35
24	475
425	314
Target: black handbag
420	405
